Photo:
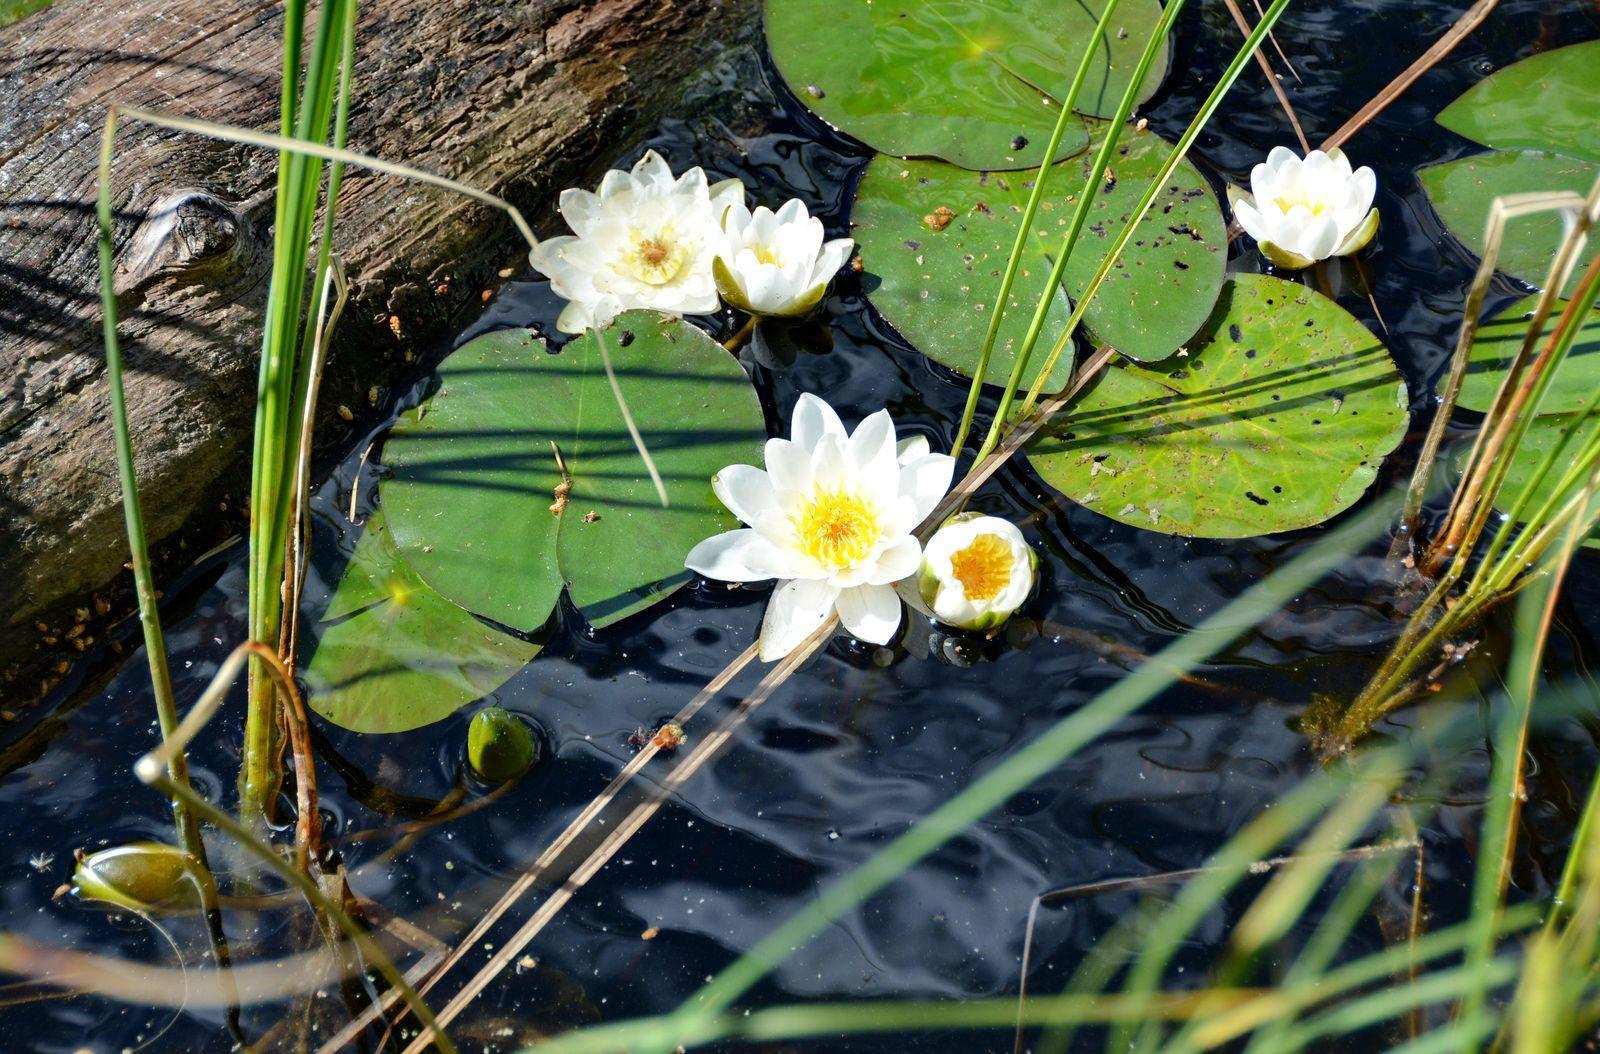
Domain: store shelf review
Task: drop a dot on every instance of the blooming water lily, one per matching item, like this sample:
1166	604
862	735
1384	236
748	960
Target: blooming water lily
776	263
976	571
1302	211
832	518
645	240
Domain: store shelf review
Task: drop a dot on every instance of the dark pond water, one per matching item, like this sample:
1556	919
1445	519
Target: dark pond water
864	741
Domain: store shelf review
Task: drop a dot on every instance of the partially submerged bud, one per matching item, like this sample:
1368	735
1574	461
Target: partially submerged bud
143	876
500	746
976	571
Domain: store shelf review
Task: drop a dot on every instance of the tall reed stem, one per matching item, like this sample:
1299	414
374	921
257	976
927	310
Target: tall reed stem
155	646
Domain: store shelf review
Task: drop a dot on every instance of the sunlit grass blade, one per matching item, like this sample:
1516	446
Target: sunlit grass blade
1049	749
1092	185
1181	150
1025	225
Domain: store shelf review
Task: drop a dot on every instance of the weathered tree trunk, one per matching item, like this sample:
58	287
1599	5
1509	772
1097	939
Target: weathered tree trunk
520	97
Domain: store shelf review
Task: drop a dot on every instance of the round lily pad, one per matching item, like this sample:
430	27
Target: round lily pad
391	654
976	82
1276	419
1547	102
934	241
479	503
1462	191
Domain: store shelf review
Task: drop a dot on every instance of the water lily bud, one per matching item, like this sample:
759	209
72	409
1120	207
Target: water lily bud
500	746
1301	211
775	263
142	876
976	571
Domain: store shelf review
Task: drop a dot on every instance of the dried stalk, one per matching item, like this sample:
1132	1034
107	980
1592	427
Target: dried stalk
295	577
1464	25
636	819
1501	211
1271	75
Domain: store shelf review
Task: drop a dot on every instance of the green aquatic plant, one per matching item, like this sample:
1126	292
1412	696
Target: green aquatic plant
1536	453
1276	418
1537	116
392	654
935	269
141	876
518	480
967	83
500	747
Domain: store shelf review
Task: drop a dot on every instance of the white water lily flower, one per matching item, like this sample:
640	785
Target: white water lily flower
776	263
831	517
976	571
1302	211
645	240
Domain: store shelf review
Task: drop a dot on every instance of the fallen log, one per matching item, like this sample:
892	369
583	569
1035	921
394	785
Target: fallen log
519	97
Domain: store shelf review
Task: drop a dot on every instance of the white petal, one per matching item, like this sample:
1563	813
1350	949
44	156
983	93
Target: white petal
765	288
1319	238
926	481
1251	220
896	562
835	254
812	419
795	611
746	491
911	448
1281	157
870	613
725	195
653	168
1364	186
735	219
792	211
580	209
871	452
739	556
789	467
829	466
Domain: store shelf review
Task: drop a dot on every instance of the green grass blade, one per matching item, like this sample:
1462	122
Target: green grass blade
1025	227
1246	52
1092	186
1052	747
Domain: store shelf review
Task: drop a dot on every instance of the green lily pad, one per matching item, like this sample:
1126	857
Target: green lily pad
1570	390
1547	102
475	475
1538	114
1497	343
1277	419
392	655
976	82
1462	191
937	285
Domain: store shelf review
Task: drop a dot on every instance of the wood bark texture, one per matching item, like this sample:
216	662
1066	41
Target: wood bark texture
519	97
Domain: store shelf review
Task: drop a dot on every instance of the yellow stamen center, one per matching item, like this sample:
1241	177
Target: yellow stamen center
983	568
837	529
766	254
1286	202
655	259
